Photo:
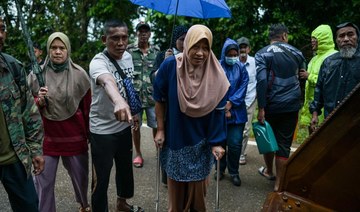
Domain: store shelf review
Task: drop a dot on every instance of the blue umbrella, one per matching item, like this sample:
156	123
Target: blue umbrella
193	8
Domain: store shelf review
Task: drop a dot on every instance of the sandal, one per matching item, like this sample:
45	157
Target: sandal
138	162
133	208
264	174
85	209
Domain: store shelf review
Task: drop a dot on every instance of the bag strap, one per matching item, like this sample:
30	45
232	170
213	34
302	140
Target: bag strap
121	72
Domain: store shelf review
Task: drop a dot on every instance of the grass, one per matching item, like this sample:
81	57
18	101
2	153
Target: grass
302	134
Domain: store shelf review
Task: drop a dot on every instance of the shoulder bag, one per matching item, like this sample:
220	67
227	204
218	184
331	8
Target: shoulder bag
132	96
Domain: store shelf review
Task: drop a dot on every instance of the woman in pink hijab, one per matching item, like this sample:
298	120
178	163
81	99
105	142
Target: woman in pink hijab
189	91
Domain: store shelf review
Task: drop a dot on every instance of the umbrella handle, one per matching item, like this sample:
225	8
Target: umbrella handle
172	32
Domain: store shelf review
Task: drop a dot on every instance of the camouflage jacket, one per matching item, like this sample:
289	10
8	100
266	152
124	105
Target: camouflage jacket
21	113
143	65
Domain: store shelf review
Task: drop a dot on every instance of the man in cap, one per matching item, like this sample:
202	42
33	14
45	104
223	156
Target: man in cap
339	73
144	55
250	98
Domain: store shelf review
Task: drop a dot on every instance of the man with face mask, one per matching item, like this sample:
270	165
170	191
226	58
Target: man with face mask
339	73
250	98
235	109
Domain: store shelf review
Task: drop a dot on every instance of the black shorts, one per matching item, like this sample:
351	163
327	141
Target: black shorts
283	125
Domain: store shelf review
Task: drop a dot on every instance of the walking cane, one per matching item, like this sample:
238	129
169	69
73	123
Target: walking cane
217	207
157	179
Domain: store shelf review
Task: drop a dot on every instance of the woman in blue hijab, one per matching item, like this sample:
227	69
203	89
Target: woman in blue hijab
235	109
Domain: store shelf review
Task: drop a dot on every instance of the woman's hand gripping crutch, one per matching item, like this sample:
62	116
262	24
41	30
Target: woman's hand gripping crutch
159	140
218	152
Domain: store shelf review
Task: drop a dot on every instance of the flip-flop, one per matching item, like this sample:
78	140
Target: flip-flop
133	208
138	162
262	173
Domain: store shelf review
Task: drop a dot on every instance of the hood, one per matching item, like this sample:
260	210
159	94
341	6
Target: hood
325	39
356	28
349	24
227	43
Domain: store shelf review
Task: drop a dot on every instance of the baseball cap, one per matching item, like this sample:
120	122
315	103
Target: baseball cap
142	25
243	40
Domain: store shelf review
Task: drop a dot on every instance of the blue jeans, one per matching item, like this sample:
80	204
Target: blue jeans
233	151
150	117
20	188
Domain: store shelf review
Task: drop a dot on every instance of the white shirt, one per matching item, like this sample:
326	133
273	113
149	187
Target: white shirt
102	118
251	88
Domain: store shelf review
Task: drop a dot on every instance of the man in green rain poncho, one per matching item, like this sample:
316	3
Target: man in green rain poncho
322	44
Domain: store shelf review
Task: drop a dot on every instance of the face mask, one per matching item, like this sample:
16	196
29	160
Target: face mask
175	51
231	60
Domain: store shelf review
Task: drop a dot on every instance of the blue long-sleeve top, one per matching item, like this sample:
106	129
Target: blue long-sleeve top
186	154
239	79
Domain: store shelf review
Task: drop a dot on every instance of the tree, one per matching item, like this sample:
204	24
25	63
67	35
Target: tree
82	21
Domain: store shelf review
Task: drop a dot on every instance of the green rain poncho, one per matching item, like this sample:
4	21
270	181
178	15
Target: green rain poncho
326	45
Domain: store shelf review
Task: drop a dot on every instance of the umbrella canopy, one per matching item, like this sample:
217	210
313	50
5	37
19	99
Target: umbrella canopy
193	8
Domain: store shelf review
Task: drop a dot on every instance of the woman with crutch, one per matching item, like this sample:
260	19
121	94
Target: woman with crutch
189	91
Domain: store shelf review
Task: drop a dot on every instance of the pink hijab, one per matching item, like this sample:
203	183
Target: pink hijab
200	89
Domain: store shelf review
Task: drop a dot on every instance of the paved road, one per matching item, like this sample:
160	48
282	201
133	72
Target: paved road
247	198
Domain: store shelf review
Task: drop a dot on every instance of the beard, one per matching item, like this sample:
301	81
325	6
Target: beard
347	52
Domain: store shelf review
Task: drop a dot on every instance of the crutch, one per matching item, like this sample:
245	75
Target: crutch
217	206
157	199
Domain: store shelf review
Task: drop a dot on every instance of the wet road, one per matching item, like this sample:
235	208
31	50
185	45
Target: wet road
247	198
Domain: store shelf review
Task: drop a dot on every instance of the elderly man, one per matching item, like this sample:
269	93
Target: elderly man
339	73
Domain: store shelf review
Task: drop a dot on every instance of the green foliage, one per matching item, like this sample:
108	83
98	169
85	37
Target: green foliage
82	21
302	134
